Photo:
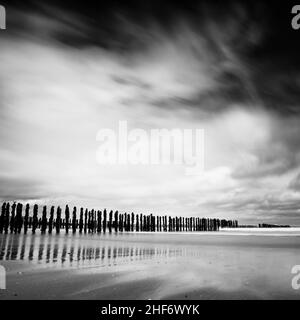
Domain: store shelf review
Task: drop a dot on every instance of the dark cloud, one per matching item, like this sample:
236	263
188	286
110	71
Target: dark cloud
253	49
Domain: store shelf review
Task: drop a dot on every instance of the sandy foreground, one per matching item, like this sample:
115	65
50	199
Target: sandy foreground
230	264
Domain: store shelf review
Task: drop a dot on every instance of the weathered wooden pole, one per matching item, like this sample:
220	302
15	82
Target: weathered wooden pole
132	221
19	219
141	222
148	223
44	220
116	223
120	222
104	220
153	223
81	220
110	221
58	219
2	217
94	221
67	217
51	218
74	220
99	221
137	227
91	225
35	218
85	220
26	218
89	221
12	217
6	219
128	222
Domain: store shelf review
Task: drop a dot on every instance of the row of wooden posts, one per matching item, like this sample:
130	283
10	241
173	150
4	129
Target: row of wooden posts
12	220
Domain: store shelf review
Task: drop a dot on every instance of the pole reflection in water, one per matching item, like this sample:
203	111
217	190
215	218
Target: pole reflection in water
76	250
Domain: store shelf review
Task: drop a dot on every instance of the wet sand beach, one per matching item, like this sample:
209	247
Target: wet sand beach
230	264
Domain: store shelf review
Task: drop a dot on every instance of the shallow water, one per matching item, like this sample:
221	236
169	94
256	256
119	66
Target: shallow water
155	266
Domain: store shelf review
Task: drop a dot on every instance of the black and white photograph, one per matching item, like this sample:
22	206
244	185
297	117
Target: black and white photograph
149	150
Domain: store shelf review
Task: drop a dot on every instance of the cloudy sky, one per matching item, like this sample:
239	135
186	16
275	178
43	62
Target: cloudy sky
67	71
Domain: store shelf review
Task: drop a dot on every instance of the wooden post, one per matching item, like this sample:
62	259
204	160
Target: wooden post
12	217
19	219
26	218
91	221
6	220
99	218
58	219
44	220
35	218
132	221
2	218
67	217
110	221
141	222
74	223
104	220
81	220
137	227
128	223
50	227
120	222
85	220
95	221
148	223
116	223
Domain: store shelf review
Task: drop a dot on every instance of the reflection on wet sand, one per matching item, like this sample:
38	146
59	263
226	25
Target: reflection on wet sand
73	251
147	266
